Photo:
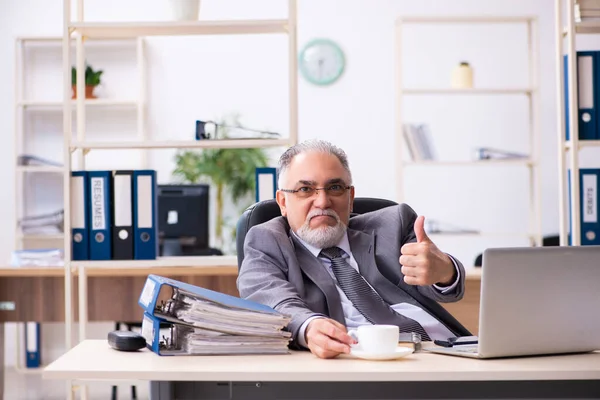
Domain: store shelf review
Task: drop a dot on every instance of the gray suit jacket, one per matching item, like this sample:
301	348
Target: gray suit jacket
280	272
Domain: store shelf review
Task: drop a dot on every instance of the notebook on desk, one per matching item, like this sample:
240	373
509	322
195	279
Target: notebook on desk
536	300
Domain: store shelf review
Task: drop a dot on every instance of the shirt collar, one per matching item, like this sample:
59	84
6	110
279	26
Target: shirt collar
343	244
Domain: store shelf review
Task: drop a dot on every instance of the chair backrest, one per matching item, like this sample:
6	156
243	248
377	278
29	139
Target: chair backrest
266	210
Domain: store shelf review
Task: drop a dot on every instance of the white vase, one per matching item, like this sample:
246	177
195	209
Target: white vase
462	76
185	10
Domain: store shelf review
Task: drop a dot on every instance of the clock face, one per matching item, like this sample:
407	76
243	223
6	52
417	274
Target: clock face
321	62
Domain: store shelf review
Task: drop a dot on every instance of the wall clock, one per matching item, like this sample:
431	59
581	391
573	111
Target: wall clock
321	62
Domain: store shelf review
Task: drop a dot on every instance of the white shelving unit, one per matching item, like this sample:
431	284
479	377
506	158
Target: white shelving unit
26	104
530	164
567	34
80	146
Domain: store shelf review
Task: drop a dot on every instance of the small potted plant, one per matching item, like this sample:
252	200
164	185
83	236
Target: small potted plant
92	79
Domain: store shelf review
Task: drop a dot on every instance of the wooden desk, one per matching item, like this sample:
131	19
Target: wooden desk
418	375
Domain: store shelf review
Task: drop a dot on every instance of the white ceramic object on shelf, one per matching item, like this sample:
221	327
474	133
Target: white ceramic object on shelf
462	76
185	10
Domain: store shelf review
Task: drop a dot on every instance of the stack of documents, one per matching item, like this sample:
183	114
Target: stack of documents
202	321
43	224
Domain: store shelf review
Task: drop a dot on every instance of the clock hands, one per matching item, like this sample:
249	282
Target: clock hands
321	62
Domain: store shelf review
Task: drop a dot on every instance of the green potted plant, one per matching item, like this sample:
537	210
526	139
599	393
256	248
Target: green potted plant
92	79
229	171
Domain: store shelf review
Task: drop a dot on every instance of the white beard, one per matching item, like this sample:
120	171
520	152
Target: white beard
325	236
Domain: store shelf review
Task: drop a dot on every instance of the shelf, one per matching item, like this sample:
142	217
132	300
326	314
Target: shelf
23	272
586	27
161	262
187	266
582	143
39	168
480	91
170	28
56	236
528	162
184	144
90	102
466	19
57	40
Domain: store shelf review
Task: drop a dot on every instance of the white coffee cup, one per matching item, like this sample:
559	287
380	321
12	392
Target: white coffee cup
376	339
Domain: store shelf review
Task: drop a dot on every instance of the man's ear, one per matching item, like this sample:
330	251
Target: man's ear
280	198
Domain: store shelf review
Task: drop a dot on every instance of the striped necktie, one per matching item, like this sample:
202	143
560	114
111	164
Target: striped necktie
366	300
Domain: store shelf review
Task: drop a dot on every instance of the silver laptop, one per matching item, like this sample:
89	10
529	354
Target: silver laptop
537	300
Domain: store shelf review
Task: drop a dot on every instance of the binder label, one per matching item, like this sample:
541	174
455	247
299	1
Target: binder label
144	201
586	83
77	202
148	330
148	292
98	211
590	198
122	200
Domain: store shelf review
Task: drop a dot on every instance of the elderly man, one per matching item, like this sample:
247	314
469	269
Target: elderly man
331	272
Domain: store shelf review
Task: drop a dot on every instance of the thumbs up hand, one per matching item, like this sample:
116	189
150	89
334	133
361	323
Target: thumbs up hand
423	263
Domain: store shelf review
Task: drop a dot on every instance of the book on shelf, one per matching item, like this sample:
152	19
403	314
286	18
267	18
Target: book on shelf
419	142
202	321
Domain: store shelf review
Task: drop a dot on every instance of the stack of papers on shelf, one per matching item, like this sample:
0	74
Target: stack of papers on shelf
487	153
28	159
44	224
204	322
37	258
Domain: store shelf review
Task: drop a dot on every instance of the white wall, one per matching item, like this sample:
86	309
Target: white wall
201	77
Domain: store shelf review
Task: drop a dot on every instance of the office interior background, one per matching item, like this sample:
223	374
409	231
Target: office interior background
190	78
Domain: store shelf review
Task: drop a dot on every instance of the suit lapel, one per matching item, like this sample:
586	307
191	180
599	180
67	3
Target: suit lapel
362	246
315	270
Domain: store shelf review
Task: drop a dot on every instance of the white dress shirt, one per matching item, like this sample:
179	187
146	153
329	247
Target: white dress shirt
434	328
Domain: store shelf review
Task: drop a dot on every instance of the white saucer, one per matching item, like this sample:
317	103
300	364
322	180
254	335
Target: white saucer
399	352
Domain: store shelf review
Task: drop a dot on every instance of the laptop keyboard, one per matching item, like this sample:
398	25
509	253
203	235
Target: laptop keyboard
465	349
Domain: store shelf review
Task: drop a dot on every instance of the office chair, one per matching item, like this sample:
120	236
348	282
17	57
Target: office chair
266	210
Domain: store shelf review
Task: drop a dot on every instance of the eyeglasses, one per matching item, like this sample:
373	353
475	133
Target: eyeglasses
305	192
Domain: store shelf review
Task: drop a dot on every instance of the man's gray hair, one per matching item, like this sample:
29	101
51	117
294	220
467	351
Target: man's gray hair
314	145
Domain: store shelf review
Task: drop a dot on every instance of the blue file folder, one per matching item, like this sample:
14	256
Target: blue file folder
145	215
32	344
80	215
589	203
266	183
588	94
155	340
100	215
148	299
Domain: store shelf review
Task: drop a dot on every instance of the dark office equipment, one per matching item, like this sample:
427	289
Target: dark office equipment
552	240
126	340
183	222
